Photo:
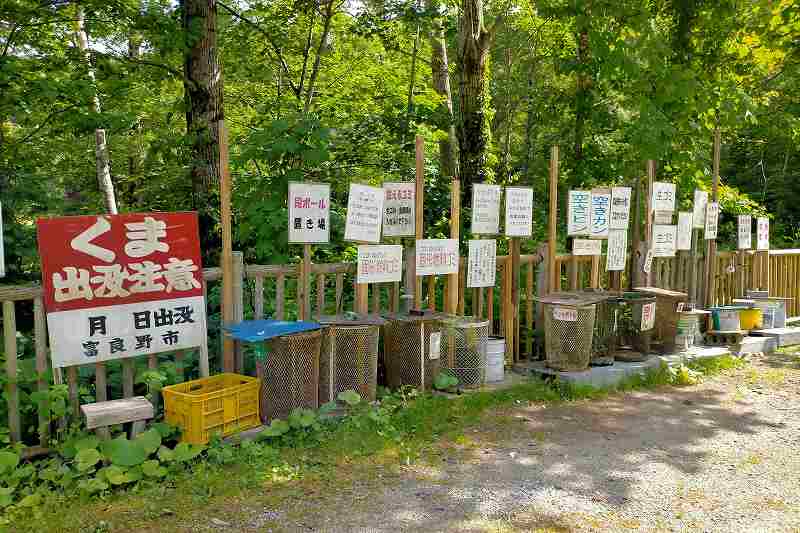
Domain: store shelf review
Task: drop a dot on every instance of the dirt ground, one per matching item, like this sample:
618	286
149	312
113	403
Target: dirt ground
719	456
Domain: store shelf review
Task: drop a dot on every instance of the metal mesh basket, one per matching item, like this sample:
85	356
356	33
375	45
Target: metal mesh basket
348	361
568	342
290	374
634	343
667	316
408	355
463	353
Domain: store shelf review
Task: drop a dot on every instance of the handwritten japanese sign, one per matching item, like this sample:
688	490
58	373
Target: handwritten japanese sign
620	208
648	316
648	262
762	233
663	196
684	239
121	286
565	314
519	211
664	238
617	249
436	256
600	213
486	208
482	263
399	209
587	247
712	220
364	214
380	263
309	212
700	205
578	208
745	232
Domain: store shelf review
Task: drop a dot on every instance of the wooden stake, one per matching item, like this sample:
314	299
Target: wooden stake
515	252
228	357
648	221
306	282
419	196
553	282
455	225
711	247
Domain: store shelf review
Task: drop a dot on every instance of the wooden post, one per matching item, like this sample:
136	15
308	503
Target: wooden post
419	196
306	282
553	274
634	268
455	226
40	339
711	247
228	351
203	354
515	252
12	394
509	325
361	303
648	221
238	305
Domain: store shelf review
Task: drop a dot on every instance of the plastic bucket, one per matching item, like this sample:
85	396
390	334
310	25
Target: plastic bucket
726	318
495	359
751	318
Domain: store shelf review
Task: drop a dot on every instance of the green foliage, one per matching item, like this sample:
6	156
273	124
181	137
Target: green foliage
445	381
350	397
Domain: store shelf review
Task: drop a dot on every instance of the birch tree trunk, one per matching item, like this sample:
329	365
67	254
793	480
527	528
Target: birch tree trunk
102	159
440	75
473	128
583	83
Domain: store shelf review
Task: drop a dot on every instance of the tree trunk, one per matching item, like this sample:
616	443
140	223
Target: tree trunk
582	103
473	128
323	39
102	159
204	110
440	75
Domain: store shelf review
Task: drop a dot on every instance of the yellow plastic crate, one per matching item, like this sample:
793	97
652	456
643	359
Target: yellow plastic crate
218	405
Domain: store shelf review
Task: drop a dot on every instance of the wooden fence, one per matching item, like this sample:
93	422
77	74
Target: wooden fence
272	290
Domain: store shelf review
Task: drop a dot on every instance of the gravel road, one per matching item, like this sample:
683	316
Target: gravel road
720	456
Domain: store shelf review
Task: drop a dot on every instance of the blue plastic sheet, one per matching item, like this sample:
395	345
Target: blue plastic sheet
260	330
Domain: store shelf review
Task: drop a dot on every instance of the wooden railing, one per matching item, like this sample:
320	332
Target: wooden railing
271	290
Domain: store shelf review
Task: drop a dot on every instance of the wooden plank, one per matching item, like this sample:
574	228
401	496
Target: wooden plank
273	271
320	294
12	393
128	376
419	196
529	309
305	282
104	414
152	364
461	290
101	393
228	350
203	362
238	306
480	310
280	298
339	292
14	293
455	299
432	293
42	385
72	384
396	297
258	301
595	273
376	298
490	309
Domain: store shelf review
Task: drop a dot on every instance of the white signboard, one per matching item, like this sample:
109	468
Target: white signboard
2	246
617	249
712	220
684	240
762	233
309	212
578	213
587	247
663	196
700	204
519	211
380	263
364	214
565	314
662	217
398	209
745	232
600	213
435	345
482	261
620	208
648	317
664	238
486	208
436	256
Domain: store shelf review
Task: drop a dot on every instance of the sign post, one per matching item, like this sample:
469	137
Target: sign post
363	225
486	200
228	352
519	223
713	208
309	223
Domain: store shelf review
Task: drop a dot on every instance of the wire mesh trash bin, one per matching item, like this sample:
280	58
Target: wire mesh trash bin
569	323
288	368
666	318
463	353
635	326
349	355
412	346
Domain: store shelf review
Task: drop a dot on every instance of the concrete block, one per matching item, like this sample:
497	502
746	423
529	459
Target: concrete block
756	345
783	336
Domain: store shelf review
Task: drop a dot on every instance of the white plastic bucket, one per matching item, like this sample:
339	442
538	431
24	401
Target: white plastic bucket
495	359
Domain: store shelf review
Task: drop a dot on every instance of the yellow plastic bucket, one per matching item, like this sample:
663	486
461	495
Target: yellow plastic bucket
751	318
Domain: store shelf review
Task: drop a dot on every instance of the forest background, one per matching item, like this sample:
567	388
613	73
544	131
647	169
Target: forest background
109	104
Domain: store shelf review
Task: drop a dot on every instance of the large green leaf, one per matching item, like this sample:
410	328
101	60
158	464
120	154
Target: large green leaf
275	429
150	440
87	443
350	397
302	418
186	452
152	468
8	461
87	458
123	452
